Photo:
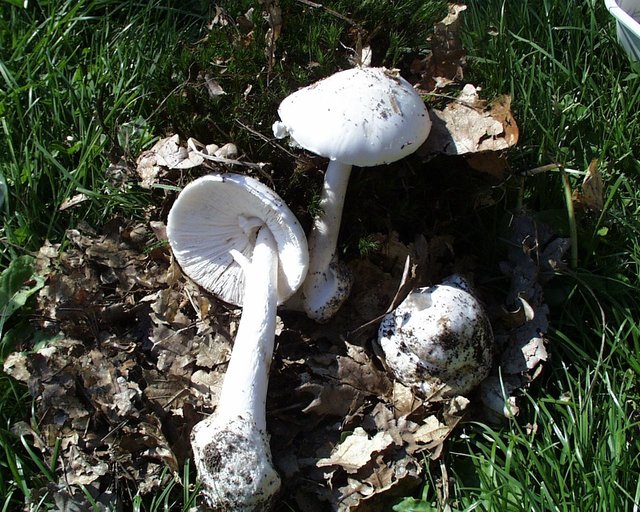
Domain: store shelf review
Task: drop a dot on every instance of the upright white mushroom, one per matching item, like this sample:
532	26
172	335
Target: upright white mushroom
438	341
363	117
236	238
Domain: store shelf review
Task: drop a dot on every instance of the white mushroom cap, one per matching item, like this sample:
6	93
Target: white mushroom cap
212	226
438	340
360	116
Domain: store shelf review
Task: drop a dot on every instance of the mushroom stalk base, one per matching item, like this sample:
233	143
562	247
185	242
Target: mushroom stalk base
328	282
231	447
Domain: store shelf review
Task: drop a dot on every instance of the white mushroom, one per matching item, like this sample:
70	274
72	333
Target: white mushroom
232	233
438	341
363	117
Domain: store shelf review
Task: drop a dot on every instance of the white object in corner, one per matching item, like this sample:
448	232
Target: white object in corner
627	15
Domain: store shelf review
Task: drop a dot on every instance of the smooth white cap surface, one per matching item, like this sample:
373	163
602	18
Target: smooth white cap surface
217	215
360	116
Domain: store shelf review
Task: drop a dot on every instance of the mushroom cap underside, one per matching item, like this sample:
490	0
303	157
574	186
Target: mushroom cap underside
218	214
360	116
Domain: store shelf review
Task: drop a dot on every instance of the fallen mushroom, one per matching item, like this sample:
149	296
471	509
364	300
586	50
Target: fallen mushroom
363	117
438	341
235	237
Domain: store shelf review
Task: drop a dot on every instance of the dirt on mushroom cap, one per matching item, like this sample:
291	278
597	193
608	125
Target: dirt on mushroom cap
361	116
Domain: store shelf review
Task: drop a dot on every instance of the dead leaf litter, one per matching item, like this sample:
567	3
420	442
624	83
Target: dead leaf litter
137	352
141	353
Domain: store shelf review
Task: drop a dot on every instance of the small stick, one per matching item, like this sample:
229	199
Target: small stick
266	139
332	12
191	143
551	167
395	302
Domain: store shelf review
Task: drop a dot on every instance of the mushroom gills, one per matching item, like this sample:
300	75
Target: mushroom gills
236	238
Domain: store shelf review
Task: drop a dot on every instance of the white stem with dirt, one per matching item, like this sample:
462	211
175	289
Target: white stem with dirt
324	287
231	447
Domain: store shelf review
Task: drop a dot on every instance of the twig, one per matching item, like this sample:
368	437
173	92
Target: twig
332	12
551	167
400	295
222	160
230	161
265	138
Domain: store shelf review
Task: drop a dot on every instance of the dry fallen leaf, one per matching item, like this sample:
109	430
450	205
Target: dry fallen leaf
170	154
213	87
356	450
471	127
445	62
378	490
153	165
498	399
533	250
273	15
590	194
73	201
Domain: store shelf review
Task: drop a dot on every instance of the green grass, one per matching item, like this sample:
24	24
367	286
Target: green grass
78	88
86	83
578	449
72	82
576	97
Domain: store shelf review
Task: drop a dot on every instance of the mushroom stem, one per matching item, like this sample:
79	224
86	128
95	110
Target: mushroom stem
231	447
323	238
244	390
325	278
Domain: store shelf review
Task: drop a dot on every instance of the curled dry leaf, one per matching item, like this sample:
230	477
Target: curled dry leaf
472	128
590	195
357	449
445	62
535	253
153	165
213	87
170	154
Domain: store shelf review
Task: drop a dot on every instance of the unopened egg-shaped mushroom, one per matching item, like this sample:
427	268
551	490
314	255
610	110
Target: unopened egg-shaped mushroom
438	341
